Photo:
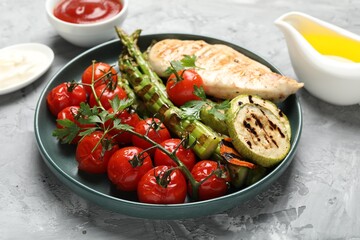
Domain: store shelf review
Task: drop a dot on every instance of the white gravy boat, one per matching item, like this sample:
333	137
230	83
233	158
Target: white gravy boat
325	57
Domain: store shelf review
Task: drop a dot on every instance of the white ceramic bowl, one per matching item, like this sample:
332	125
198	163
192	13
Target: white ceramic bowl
86	35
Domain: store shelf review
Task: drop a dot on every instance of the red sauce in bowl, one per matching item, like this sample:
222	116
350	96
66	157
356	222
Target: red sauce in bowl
86	11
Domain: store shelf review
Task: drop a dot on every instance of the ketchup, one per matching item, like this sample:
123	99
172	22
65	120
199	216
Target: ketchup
86	11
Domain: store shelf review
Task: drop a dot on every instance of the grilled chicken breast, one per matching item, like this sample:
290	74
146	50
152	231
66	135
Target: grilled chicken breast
226	73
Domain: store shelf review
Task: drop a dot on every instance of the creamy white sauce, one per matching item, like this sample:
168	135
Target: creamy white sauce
17	66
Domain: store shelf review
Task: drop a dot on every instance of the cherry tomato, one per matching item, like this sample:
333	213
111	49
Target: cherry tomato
125	169
105	94
64	95
186	156
154	129
127	116
101	73
70	114
182	91
92	155
214	186
151	191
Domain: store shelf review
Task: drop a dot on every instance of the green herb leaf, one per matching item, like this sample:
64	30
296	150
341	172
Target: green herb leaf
119	126
88	131
84	113
219	109
218	114
191	109
188	61
86	110
120	104
223	105
95	119
199	91
68	131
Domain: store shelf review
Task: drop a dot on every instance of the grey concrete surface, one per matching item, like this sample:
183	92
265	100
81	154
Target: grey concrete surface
316	198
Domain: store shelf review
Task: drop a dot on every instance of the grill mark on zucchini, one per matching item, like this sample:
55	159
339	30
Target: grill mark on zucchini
248	127
254	135
281	114
273	125
257	121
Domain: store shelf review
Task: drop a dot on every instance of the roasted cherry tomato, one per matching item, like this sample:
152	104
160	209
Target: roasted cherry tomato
70	114
126	167
155	188
101	73
154	129
182	91
93	153
64	95
185	155
214	186
127	116
106	94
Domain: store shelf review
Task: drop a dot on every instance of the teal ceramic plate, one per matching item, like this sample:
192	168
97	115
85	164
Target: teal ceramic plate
61	160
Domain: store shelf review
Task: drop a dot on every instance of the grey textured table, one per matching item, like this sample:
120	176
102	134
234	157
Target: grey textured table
317	197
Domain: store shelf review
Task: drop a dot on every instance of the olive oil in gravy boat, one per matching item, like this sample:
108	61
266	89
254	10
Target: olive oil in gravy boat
325	57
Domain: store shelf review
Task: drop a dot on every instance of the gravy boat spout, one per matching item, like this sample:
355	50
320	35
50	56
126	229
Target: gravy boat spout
326	58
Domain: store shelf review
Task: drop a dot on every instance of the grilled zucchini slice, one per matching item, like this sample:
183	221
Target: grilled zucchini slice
257	133
242	99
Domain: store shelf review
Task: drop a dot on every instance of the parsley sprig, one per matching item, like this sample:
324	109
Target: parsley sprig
193	109
187	62
92	119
